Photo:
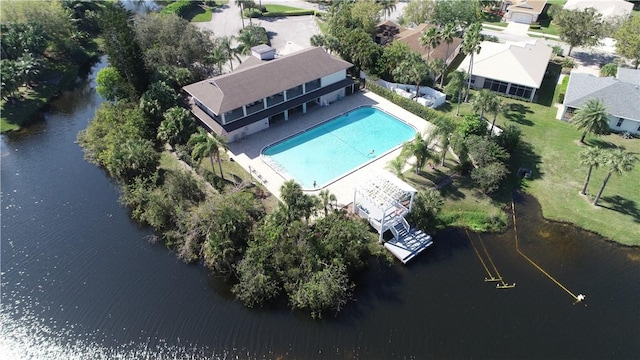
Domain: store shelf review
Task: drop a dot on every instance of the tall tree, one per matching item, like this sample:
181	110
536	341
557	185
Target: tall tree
439	67
418	12
441	132
484	101
251	36
592	157
298	204
168	40
470	46
426	206
580	27
328	200
229	52
412	70
430	39
388	7
460	13
241	4
121	46
618	161
418	148
498	108
448	33
591	118
453	89
206	145
628	39
177	126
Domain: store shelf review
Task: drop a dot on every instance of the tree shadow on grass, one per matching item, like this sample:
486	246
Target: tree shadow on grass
517	112
621	205
525	157
601	144
446	107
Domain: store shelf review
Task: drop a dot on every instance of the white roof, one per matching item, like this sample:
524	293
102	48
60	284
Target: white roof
522	63
381	190
608	8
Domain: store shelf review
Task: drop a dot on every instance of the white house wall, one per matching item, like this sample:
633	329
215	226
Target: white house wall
333	78
247	130
626	126
332	96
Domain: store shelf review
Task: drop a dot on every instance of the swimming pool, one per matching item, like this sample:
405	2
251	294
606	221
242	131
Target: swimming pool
337	147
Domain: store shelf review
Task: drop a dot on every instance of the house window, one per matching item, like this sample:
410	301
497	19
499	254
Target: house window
620	121
520	91
495	85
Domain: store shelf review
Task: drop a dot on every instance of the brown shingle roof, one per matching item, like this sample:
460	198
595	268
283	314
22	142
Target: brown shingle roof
411	37
248	84
527	6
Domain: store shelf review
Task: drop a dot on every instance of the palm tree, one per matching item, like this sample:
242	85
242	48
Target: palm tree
439	67
454	86
419	148
447	33
430	40
592	118
218	56
591	157
618	161
397	165
230	53
327	199
484	100
442	132
470	46
499	107
412	70
241	4
388	7
205	144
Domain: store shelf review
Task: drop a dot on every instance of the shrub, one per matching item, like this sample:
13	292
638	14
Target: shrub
180	8
407	104
562	91
610	69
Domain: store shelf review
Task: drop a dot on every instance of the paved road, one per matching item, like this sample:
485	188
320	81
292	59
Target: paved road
287	34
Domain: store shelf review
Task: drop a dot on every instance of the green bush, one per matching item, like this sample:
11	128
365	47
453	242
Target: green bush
534	26
289	13
180	8
562	91
407	104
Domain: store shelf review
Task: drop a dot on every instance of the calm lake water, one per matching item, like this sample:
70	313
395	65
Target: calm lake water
79	281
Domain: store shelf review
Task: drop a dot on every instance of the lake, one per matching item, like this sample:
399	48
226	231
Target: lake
80	281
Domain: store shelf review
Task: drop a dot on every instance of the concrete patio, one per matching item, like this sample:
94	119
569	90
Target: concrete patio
247	152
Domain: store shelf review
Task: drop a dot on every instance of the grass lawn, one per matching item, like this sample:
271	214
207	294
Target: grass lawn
280	8
234	173
464	205
553	155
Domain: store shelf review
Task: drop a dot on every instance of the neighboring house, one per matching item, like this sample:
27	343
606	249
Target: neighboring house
608	8
514	68
620	95
388	31
523	11
260	93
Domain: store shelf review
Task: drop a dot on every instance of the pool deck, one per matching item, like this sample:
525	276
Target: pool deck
246	152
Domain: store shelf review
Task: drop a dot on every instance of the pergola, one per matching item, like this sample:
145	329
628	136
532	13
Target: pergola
383	200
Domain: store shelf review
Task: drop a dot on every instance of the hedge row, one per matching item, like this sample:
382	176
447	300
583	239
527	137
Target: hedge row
562	91
407	104
256	13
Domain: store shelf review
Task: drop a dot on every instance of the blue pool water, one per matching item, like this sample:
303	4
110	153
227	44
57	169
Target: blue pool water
337	147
